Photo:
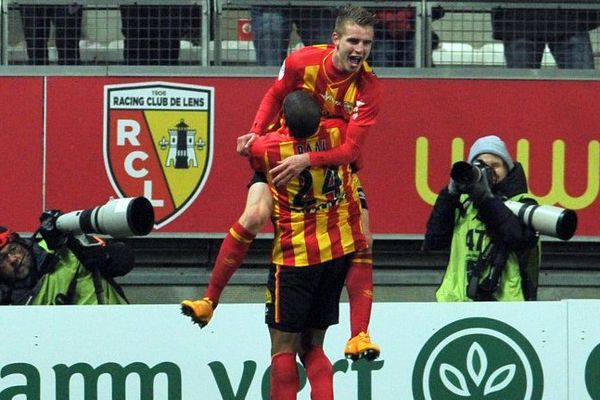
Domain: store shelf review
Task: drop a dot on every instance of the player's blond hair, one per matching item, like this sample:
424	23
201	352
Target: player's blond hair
354	15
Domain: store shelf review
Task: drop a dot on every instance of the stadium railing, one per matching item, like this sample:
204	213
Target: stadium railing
464	31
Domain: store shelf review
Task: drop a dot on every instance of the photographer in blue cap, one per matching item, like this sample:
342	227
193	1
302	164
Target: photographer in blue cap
494	256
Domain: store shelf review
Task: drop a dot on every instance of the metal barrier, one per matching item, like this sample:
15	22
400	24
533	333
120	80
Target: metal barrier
417	34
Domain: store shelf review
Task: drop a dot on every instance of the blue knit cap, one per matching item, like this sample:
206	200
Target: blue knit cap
491	144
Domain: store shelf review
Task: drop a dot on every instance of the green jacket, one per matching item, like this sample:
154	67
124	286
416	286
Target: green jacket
470	239
70	271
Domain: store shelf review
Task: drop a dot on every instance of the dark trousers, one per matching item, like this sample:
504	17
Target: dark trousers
152	33
36	26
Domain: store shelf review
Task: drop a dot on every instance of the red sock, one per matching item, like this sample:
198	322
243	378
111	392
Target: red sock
231	255
319	372
359	284
285	380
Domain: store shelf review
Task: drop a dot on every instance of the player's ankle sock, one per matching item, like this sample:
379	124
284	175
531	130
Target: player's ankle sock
231	255
319	372
359	284
285	380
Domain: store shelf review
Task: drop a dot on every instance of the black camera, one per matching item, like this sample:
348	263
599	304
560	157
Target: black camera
548	220
465	174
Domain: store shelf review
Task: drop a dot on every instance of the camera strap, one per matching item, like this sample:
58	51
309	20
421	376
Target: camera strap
495	255
490	285
96	277
475	273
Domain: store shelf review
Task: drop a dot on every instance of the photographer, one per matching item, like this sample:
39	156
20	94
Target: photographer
493	254
31	273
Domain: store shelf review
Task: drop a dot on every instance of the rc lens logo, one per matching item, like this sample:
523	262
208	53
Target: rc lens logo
478	358
158	143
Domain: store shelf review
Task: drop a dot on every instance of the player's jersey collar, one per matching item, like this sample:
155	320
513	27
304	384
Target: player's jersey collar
333	75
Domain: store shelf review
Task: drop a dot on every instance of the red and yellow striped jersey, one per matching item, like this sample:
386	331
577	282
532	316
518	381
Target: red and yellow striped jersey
317	215
353	97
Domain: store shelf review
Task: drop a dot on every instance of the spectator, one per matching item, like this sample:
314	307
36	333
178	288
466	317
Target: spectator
526	32
31	273
340	71
395	34
272	26
37	20
153	33
490	248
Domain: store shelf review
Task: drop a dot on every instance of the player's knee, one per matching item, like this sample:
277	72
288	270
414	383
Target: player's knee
258	208
369	243
255	217
369	240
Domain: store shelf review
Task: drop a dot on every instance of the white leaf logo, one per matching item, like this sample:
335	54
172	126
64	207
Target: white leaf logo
476	357
492	385
477	365
447	372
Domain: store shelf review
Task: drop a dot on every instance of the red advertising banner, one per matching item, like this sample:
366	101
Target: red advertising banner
173	141
21	151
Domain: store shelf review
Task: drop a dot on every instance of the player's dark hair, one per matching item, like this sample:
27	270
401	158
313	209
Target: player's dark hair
302	114
353	14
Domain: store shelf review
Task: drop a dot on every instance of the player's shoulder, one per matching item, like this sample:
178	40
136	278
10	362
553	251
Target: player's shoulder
267	141
314	53
368	72
333	123
368	80
276	136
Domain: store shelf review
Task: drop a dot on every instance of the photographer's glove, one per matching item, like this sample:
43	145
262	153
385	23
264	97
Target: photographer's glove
50	233
201	311
455	188
480	190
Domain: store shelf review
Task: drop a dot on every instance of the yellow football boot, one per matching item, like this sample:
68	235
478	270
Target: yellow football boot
201	311
360	346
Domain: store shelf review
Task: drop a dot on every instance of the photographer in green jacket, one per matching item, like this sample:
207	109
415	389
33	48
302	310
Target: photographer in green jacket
493	254
33	274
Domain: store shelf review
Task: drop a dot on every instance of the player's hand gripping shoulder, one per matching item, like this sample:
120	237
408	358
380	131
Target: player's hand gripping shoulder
201	311
244	142
289	168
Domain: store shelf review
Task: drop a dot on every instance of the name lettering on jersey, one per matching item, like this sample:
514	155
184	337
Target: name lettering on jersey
319	145
158	143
